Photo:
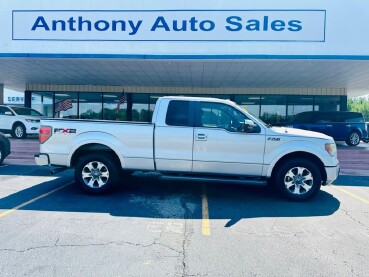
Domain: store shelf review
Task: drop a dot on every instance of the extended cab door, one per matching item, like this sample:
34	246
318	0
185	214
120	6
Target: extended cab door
221	145
173	136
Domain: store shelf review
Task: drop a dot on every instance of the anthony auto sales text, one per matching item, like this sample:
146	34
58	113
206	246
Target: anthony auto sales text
132	27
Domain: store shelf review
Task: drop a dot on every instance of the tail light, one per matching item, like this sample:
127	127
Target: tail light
45	133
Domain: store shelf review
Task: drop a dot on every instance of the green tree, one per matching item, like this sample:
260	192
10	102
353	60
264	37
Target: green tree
360	105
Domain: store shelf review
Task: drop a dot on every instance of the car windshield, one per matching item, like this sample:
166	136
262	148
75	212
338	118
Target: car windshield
26	111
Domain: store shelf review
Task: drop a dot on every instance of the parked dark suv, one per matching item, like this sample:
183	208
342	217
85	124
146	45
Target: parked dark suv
342	126
4	147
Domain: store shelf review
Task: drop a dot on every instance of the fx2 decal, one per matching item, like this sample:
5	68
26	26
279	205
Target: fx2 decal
64	131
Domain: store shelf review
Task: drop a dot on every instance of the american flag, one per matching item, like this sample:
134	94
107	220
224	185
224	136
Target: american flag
122	99
64	105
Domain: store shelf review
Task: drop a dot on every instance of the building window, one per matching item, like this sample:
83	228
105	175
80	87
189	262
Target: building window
298	104
140	107
250	102
273	108
327	103
111	110
62	108
43	103
90	105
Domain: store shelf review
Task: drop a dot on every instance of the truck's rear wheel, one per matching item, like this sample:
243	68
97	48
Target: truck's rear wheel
96	173
298	179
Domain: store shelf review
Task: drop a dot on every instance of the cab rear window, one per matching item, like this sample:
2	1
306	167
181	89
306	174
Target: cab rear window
178	113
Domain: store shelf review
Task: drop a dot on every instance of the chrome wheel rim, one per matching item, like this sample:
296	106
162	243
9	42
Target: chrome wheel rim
354	138
18	131
95	174
298	180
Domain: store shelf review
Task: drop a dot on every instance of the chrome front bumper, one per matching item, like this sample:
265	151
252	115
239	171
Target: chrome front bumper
332	174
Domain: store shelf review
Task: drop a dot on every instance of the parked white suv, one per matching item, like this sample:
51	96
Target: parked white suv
19	121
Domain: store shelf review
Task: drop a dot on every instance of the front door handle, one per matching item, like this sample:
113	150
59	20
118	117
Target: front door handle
201	137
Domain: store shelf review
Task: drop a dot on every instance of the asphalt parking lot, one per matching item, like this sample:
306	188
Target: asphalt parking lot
48	227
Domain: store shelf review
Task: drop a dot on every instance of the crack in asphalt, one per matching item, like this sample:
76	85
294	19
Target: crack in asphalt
354	219
184	241
91	244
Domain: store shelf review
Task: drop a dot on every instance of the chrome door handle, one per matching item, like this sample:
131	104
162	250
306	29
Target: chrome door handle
201	137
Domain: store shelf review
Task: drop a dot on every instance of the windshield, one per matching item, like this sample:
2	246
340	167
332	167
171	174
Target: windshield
26	111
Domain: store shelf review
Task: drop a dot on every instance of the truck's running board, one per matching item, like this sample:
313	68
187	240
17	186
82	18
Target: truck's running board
257	182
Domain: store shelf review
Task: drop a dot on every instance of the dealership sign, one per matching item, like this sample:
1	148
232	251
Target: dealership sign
170	25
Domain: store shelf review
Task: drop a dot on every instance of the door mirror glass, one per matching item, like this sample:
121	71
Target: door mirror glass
249	127
249	122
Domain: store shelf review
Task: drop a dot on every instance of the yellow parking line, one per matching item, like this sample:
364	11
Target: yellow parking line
351	194
205	213
33	200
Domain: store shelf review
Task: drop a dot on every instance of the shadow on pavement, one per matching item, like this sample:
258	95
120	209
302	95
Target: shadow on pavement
148	198
24	170
352	181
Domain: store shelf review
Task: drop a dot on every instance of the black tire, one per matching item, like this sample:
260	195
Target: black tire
353	139
105	168
298	179
2	154
19	131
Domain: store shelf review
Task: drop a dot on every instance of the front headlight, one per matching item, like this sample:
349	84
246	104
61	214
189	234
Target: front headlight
331	148
33	120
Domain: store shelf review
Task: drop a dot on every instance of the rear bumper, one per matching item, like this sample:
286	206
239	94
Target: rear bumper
332	174
42	159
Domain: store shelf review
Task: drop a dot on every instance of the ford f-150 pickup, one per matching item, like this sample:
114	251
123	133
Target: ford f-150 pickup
195	139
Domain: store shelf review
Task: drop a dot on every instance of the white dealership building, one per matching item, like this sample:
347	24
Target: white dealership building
276	58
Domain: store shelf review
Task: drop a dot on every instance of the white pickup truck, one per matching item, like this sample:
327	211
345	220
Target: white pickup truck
195	139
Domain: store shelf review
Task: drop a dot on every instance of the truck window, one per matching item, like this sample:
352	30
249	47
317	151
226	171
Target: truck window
217	115
353	118
178	113
305	117
323	118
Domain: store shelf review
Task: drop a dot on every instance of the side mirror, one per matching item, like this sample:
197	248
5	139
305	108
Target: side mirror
8	113
250	122
249	127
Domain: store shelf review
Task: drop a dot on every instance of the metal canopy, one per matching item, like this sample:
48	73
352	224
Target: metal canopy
350	74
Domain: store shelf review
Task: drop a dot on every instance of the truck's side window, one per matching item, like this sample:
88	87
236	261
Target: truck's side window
178	113
217	115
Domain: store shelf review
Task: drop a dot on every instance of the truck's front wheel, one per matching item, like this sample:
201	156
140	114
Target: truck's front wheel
298	179
96	173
